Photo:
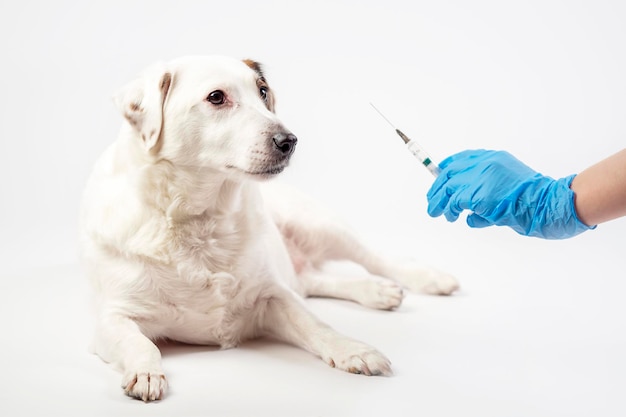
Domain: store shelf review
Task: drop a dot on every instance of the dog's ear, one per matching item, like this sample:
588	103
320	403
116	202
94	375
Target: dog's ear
141	102
270	101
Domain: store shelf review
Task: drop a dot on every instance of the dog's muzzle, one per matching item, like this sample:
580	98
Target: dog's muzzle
274	158
285	143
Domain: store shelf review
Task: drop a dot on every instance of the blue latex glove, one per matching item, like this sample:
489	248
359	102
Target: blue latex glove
500	190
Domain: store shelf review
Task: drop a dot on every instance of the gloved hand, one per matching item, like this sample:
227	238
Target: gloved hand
502	191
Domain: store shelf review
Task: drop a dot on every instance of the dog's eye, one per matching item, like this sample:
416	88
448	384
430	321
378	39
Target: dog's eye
216	97
263	92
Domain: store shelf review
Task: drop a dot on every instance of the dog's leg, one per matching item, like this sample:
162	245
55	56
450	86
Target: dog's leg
286	319
120	342
415	277
369	291
328	241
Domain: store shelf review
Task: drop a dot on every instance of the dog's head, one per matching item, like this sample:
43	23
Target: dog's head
208	112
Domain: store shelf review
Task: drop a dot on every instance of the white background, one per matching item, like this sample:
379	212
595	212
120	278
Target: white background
538	328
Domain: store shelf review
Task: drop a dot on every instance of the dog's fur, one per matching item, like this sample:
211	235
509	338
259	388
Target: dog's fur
180	244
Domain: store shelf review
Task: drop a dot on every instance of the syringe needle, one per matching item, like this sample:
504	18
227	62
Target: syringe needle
382	115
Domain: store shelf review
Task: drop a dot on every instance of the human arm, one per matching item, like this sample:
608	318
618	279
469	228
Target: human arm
600	190
501	190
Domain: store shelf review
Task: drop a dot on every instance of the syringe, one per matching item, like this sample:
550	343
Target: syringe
414	147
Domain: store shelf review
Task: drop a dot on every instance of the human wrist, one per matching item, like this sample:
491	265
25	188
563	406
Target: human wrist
555	216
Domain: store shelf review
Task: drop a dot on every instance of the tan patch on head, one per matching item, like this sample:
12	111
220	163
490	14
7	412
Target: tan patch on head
256	66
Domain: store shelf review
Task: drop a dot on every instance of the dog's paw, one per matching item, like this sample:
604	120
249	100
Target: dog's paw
442	284
359	358
427	280
381	295
146	386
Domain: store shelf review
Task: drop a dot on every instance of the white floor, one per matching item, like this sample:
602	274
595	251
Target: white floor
538	330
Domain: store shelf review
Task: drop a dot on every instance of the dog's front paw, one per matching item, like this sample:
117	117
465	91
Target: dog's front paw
427	280
145	385
359	358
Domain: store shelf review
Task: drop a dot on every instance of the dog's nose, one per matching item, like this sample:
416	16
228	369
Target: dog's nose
285	143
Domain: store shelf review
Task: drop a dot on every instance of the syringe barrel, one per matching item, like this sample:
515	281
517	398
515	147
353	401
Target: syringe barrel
423	157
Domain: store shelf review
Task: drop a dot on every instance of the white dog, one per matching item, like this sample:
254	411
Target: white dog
180	244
